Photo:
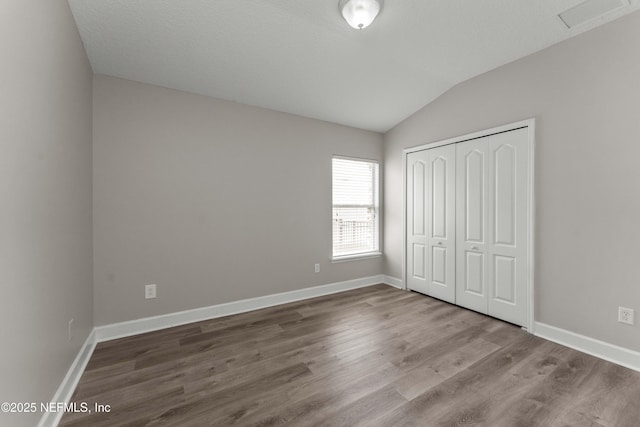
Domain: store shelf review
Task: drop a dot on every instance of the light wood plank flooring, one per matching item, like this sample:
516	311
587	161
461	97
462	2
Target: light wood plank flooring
375	356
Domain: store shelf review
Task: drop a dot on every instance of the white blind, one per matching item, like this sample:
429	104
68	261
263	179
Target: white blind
355	207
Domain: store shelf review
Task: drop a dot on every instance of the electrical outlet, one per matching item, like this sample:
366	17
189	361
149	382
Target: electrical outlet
149	291
69	330
317	268
625	315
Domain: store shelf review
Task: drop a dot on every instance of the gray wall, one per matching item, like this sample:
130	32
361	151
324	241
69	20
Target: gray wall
45	188
585	94
211	200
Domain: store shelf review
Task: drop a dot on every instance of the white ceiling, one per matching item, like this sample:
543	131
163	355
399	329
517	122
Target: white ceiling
301	57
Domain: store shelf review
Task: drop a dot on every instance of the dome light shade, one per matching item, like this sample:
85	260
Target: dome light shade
360	13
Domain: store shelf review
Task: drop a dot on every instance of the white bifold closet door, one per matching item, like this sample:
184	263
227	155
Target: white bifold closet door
431	222
492	225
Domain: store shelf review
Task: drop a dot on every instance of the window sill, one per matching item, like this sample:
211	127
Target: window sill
355	257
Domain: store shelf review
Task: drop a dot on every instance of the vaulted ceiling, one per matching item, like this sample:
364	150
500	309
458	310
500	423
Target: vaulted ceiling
300	56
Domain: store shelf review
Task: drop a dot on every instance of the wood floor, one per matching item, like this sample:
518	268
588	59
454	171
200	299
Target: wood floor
375	356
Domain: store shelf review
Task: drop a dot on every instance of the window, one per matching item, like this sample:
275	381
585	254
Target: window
355	208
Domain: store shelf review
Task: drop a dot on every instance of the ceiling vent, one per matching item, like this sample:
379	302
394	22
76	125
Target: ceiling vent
588	10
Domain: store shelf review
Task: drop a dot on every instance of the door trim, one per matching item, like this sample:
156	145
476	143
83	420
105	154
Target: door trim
530	125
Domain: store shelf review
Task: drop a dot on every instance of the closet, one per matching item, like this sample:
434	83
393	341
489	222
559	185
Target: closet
468	221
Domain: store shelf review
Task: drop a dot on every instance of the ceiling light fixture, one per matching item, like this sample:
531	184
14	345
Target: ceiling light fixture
360	13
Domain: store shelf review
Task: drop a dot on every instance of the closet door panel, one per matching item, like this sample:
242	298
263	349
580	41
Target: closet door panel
473	173
504	273
419	264
439	197
471	222
439	266
474	273
504	194
419	172
508	210
441	222
417	269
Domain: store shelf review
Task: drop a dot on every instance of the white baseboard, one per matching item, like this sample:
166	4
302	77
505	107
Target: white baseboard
610	352
392	281
70	381
148	324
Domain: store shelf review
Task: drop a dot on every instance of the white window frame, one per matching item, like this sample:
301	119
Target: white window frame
375	252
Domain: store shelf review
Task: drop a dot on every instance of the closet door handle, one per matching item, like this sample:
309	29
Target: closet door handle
440	243
474	248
